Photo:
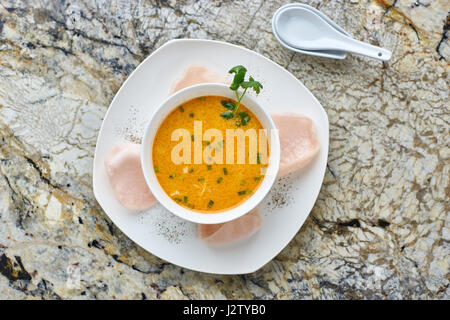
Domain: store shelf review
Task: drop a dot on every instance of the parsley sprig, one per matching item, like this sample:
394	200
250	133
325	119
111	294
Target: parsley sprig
239	82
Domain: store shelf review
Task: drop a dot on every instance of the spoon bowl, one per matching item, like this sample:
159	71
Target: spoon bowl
332	54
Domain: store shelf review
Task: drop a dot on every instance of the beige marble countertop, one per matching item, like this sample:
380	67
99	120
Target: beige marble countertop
380	227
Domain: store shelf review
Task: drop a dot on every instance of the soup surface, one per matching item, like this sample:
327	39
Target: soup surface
208	186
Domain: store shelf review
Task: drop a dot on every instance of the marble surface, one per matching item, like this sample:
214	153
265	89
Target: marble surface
380	227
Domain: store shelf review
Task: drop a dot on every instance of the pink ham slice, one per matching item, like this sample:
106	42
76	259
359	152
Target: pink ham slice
123	165
232	231
298	140
195	74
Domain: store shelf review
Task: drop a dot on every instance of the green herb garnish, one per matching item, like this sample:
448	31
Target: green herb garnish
209	167
156	169
258	158
228	104
190	205
191	170
257	178
219	180
239	82
244	118
227	115
181	109
192	138
173	175
243	182
210	203
191	115
185	199
201	179
242	192
225	171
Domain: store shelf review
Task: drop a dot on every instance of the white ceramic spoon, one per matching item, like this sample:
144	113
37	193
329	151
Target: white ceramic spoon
302	28
333	54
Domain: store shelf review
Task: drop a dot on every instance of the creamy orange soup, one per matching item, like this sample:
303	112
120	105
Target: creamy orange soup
207	187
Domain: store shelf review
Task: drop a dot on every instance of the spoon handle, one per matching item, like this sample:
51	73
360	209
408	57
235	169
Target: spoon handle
358	47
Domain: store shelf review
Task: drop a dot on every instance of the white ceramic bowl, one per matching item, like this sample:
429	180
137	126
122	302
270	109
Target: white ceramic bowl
182	96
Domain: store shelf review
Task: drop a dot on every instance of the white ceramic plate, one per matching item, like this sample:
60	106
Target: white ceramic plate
284	209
